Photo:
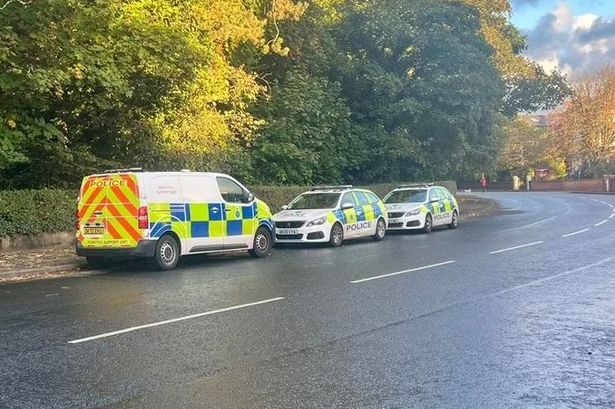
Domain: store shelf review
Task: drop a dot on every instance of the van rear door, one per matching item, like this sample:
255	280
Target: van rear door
108	211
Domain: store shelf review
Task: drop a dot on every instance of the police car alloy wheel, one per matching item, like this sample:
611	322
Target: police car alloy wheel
167	253
455	221
262	243
337	235
428	224
381	228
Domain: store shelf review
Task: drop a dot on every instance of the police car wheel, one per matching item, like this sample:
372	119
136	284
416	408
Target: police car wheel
455	221
428	224
381	228
167	253
262	243
337	235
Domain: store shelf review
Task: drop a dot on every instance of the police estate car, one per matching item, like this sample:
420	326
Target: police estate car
331	214
413	207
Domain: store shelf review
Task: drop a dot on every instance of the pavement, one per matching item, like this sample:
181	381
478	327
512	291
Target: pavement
510	311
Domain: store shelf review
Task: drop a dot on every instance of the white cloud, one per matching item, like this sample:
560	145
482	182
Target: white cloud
572	43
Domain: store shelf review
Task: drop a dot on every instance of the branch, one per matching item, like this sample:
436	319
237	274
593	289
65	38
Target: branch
22	2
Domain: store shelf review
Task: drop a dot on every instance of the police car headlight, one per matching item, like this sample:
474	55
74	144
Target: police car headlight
414	212
317	222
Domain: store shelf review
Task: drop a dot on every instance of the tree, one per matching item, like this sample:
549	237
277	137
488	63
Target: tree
586	125
526	146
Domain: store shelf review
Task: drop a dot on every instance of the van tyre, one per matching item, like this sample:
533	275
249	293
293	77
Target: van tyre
97	262
336	238
381	228
167	253
428	224
454	221
262	243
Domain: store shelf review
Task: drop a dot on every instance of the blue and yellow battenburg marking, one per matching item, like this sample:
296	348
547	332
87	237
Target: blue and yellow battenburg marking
370	212
201	220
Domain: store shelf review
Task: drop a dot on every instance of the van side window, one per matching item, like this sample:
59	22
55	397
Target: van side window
231	191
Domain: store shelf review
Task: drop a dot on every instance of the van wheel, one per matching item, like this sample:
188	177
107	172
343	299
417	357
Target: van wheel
262	243
97	262
428	224
381	229
337	235
167	253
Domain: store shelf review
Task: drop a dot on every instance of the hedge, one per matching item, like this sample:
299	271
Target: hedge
30	212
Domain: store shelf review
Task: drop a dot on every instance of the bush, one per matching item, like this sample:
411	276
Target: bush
29	212
36	211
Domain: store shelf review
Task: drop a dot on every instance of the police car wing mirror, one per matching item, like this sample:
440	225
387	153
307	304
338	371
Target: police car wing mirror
284	207
434	200
249	197
347	205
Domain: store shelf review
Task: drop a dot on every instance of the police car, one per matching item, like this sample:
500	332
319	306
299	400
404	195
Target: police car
421	207
331	214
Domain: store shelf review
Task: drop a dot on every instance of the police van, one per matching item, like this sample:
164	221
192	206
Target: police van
421	207
331	214
166	215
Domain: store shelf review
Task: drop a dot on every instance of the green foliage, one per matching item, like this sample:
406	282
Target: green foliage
272	91
36	211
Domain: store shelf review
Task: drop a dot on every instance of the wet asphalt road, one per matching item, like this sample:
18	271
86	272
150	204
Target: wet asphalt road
513	311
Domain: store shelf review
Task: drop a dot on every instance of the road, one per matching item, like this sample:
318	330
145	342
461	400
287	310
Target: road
512	311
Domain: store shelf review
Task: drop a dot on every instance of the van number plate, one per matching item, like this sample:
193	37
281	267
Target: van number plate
94	231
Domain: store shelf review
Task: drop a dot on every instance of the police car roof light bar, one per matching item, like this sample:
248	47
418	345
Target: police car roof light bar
423	185
340	187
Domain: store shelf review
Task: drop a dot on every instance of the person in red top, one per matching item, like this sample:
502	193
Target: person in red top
483	182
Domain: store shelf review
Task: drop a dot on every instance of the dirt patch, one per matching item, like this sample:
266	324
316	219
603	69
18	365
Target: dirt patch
474	206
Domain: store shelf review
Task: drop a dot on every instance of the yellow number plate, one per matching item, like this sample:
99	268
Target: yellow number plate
94	231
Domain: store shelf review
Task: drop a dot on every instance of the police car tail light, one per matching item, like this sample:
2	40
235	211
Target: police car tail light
414	212
77	219
317	222
142	217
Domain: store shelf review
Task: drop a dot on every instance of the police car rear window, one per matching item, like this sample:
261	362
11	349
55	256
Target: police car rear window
407	196
315	201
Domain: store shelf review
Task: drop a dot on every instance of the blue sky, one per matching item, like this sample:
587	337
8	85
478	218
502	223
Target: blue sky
572	36
528	12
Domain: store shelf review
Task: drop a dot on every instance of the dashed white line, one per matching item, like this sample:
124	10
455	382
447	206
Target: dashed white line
611	206
612	215
601	223
187	317
402	272
516	247
575	233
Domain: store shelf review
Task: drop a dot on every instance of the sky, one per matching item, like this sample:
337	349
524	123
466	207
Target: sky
573	36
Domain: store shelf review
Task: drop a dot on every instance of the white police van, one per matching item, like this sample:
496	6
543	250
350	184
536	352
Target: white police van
331	214
421	207
166	215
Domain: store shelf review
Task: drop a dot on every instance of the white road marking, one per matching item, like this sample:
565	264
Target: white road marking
516	247
612	215
187	317
402	272
611	206
542	280
601	223
575	233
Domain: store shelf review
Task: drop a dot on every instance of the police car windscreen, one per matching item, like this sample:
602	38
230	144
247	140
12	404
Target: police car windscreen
407	196
315	201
